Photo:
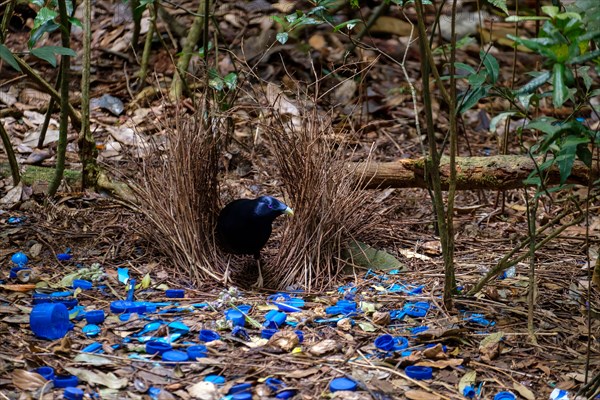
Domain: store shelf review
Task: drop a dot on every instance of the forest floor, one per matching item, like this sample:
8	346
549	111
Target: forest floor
483	341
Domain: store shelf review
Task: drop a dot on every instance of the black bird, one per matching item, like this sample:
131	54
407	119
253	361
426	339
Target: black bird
244	226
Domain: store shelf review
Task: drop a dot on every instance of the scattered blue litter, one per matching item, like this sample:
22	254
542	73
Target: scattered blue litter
418	373
241	333
82	284
50	321
418	329
175	356
216	379
339	384
416	310
157	347
236	317
19	259
385	342
197	351
469	391
240	387
267	333
505	396
93	348
73	393
123	275
94	316
206	335
63	381
91	330
14	271
274	319
175	293
46	372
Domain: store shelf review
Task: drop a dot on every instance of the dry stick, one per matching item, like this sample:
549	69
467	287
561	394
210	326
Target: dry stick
143	73
503	264
531	219
10	154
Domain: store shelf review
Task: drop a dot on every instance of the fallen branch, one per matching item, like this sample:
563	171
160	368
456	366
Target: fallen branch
493	172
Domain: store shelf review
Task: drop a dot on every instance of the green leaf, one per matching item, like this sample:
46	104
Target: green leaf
7	56
76	22
501	4
519	18
542	46
472	97
585	57
49	53
585	155
560	92
491	65
363	255
476	80
282	37
551	11
230	80
44	15
280	21
465	67
349	24
535	83
36	34
201	51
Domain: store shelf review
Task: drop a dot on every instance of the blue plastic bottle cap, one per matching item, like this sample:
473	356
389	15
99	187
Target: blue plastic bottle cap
385	342
154	347
49	320
20	259
82	284
236	317
94	316
267	333
343	383
126	306
418	373
175	293
64	256
400	343
274	384
245	308
46	372
469	391
91	330
286	394
504	396
92	348
63	381
196	351
206	335
240	387
73	393
174	355
216	379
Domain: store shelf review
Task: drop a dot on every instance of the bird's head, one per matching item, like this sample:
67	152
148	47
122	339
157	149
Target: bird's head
267	206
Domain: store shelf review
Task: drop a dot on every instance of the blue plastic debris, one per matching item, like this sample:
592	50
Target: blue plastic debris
274	319
240	388
216	379
125	306
416	310
156	347
73	393
91	330
197	351
267	333
206	335
63	381
418	373
46	372
241	333
385	342
300	335
64	298
175	293
174	356
339	384
345	307
50	321
469	391
19	259
82	284
274	384
505	396
418	329
559	394
66	256
15	272
94	316
236	317
400	343
92	348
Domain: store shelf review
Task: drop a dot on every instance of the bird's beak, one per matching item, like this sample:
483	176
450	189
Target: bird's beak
288	211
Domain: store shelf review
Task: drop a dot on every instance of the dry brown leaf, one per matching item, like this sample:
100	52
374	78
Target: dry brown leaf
324	347
26	380
420	395
284	340
440	364
523	391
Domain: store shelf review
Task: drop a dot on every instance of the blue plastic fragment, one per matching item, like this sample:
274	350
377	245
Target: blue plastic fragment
267	333
286	394
242	396
82	284
73	393
416	310
216	379
46	372
274	384
63	381
123	275
278	297
418	373
131	290
240	387
175	356
91	330
236	317
400	343
505	396
14	271
418	329
339	384
469	391
92	348
63	256
241	333
274	319
197	351
300	335
156	347
125	306
206	335
175	293
154	392
95	316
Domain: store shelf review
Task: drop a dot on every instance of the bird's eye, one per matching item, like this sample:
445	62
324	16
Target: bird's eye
270	205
